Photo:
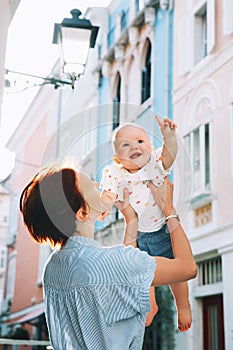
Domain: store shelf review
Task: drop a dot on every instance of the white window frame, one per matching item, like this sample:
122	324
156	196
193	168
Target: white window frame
210	25
187	42
200	34
204	189
227	12
209	5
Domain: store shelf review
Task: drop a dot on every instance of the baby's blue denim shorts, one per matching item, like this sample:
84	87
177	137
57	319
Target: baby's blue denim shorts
157	243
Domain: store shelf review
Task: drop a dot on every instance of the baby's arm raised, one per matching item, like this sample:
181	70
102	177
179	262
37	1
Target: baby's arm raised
170	146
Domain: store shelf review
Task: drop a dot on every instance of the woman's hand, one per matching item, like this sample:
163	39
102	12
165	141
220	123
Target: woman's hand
125	208
163	196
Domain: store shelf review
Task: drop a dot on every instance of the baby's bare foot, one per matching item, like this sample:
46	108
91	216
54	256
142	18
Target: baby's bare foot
151	314
184	318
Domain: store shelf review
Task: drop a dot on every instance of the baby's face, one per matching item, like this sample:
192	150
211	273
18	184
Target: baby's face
133	148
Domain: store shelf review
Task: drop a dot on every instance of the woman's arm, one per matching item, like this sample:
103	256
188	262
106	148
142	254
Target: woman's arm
183	266
131	220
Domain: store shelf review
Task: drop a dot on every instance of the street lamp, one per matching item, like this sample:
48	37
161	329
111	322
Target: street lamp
74	36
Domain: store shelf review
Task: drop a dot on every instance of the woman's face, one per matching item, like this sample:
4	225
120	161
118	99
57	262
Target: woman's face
91	195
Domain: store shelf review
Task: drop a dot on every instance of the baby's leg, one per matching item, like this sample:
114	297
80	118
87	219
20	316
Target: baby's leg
181	294
153	307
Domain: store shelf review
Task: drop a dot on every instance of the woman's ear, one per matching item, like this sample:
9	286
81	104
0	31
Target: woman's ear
116	159
81	215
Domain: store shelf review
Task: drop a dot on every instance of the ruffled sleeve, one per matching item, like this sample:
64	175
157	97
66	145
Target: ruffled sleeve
109	181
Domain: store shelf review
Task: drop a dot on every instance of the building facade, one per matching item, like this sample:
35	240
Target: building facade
164	57
7	12
202	106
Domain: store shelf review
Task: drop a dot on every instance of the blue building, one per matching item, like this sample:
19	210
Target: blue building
135	70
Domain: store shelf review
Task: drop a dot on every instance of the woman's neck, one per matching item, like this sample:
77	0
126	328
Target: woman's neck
83	228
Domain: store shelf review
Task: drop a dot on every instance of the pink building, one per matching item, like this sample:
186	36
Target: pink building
203	100
23	298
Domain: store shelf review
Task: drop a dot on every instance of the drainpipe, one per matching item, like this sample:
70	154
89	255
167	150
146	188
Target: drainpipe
167	58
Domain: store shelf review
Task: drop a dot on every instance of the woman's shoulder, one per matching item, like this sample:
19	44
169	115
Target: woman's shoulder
124	253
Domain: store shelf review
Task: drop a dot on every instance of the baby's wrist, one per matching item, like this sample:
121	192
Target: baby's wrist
170	137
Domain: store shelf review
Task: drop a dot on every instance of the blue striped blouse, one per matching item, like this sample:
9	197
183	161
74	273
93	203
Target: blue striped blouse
96	298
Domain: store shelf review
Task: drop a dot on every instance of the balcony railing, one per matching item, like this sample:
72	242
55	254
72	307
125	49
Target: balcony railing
15	344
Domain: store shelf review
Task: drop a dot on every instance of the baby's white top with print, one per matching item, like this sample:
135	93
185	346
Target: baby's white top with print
115	178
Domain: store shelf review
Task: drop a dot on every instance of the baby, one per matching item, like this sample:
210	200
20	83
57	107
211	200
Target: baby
136	163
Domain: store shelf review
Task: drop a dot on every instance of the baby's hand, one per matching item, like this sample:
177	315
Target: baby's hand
167	126
125	207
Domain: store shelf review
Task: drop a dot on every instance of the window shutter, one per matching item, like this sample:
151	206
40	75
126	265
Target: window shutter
210	25
227	17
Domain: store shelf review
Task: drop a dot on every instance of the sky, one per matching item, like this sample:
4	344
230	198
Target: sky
30	50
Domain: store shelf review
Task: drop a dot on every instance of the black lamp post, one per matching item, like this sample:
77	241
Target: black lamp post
74	36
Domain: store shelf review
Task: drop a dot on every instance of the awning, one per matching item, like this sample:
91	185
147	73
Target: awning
28	317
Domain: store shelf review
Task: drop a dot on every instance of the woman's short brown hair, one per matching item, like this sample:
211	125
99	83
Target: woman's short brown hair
49	204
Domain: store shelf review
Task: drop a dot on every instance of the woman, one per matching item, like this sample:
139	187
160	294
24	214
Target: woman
96	297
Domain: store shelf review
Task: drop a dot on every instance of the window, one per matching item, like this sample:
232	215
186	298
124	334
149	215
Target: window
146	75
203	215
213	325
210	275
116	104
201	34
198	148
196	36
204	30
